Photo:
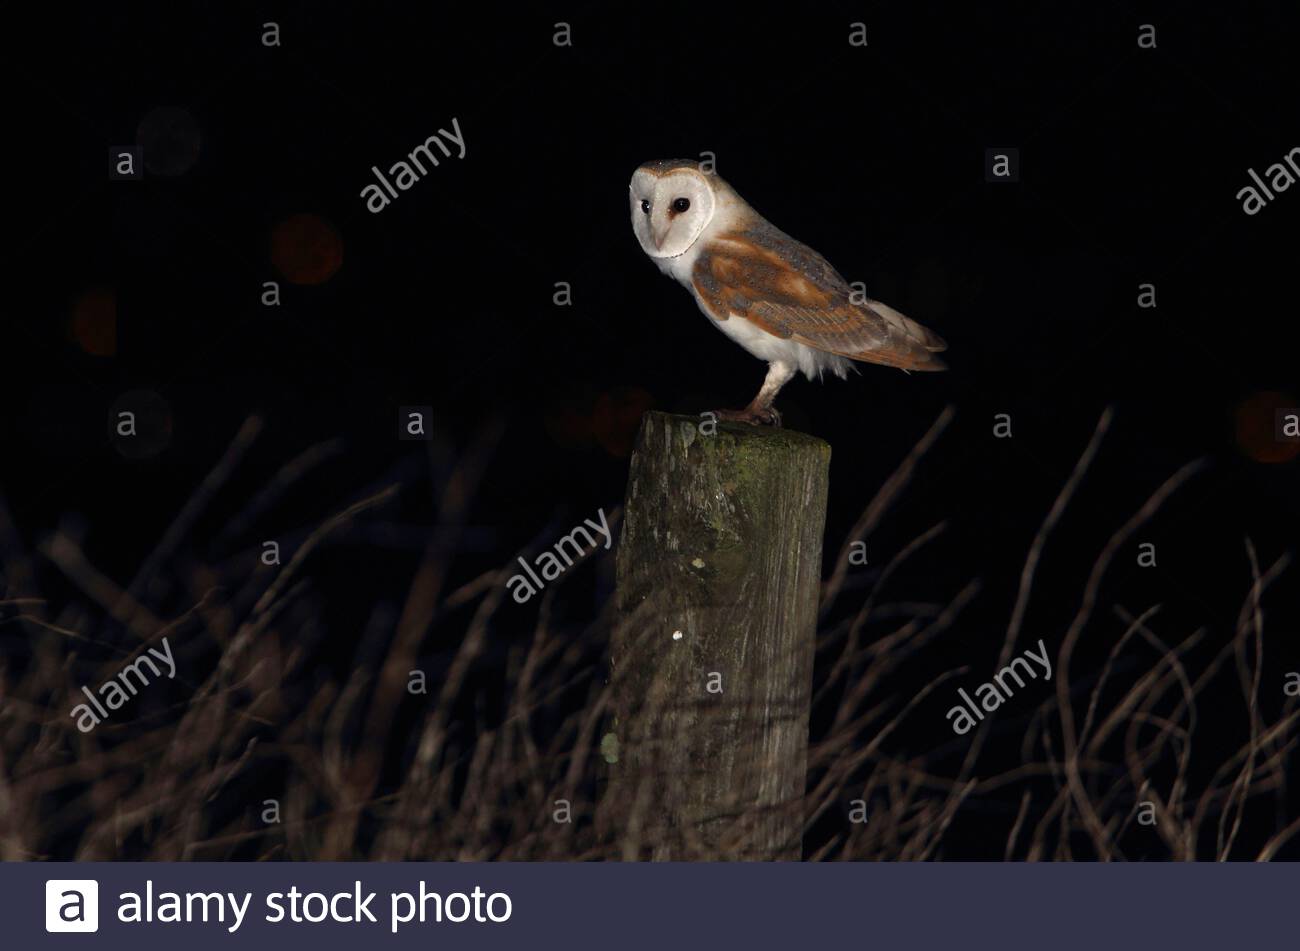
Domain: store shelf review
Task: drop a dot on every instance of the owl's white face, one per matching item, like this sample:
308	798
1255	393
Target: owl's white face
670	210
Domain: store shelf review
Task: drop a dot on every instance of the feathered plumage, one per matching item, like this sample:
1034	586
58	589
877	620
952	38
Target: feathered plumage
773	295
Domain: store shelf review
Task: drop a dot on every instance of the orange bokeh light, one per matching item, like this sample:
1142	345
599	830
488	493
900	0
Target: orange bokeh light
617	417
1256	419
93	326
306	249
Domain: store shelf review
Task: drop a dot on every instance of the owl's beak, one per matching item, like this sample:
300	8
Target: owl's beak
659	233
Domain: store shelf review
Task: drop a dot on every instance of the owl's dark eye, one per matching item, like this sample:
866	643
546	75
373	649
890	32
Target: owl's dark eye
645	207
681	204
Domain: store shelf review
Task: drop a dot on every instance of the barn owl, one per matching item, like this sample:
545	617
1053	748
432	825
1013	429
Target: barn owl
777	298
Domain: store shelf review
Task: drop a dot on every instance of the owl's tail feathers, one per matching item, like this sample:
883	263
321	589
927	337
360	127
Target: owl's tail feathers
903	356
922	360
916	345
929	363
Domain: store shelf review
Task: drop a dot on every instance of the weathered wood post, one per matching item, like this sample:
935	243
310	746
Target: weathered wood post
718	572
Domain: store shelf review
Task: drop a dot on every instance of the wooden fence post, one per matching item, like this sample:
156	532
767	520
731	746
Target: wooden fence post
718	573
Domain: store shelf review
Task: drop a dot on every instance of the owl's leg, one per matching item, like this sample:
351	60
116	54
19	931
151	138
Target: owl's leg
760	409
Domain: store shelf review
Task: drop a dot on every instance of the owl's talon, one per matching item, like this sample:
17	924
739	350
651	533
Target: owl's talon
753	415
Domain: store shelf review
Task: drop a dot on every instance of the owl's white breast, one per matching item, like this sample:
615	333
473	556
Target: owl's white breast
681	267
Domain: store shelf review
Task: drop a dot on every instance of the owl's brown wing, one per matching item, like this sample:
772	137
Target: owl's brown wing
789	290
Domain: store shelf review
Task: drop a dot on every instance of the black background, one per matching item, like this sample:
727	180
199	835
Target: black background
1131	162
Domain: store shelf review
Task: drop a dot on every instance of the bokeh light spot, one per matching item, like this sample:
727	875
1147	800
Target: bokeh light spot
140	424
170	140
617	418
306	249
1256	422
93	326
569	424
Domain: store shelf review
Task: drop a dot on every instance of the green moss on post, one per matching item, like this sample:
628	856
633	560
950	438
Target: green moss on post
719	567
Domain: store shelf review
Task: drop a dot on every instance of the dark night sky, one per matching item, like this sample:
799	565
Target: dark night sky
1131	161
